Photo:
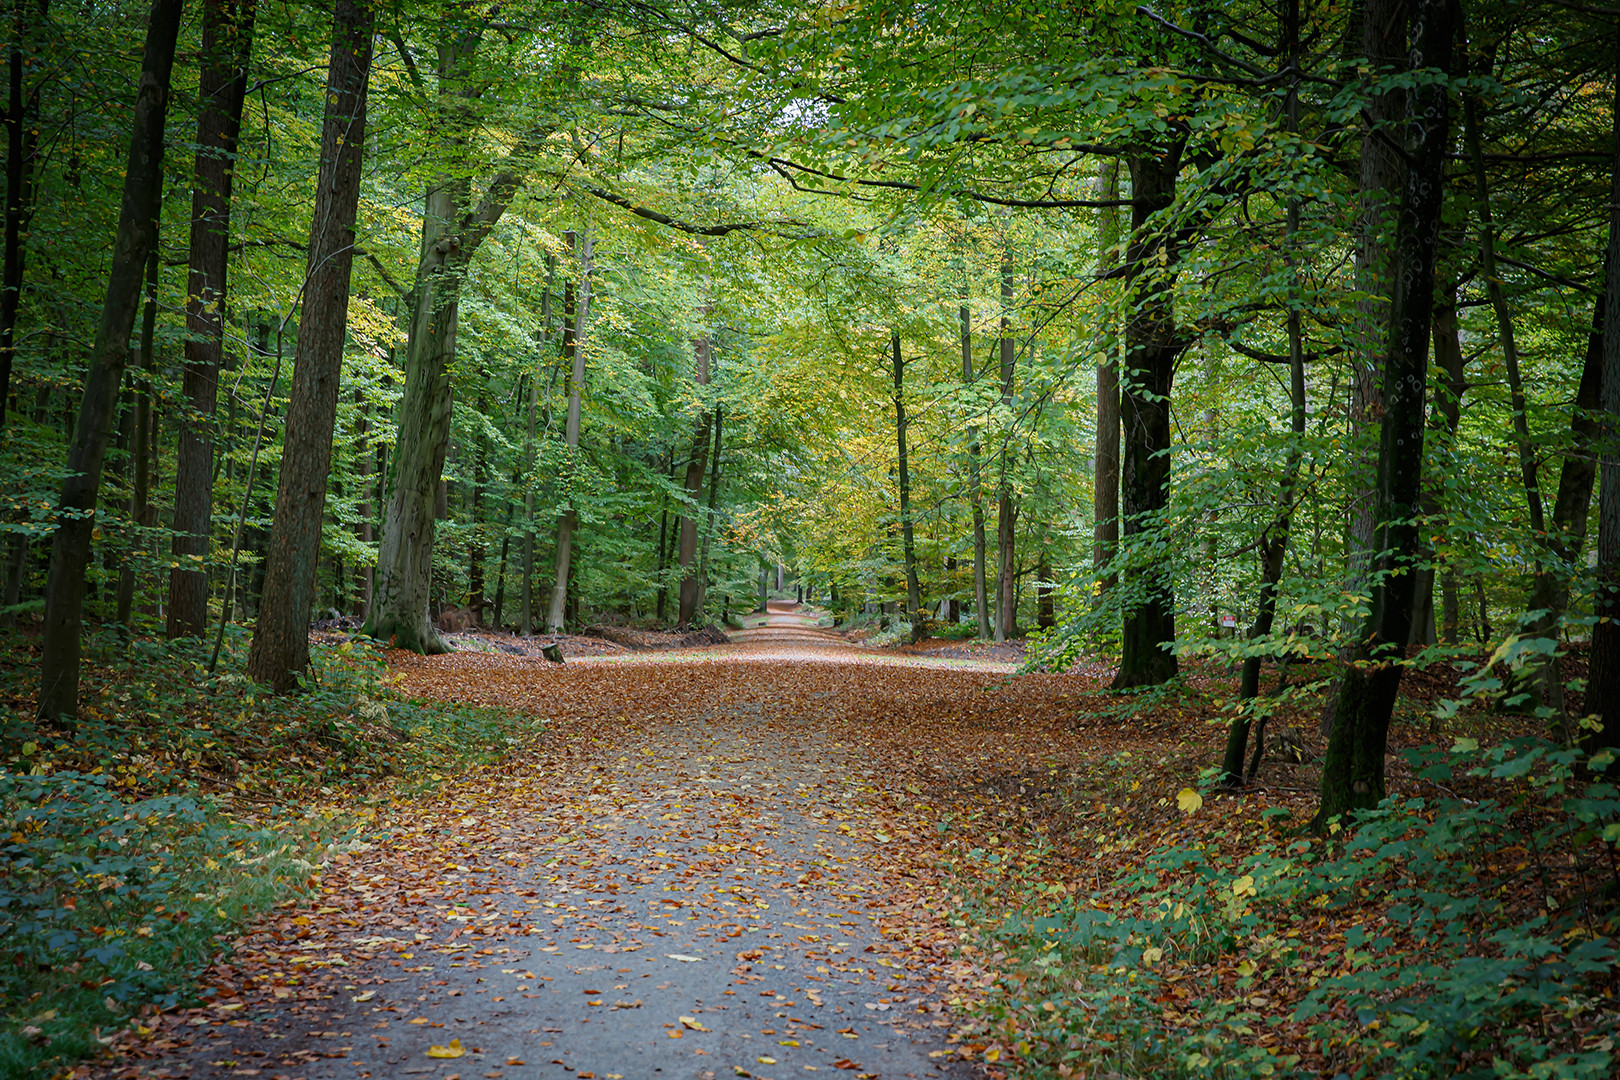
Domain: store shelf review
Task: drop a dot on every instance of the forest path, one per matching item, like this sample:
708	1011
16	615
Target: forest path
727	867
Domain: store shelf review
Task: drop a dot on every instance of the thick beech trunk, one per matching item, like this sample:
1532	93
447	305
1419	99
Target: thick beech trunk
574	350
1383	25
687	551
136	238
1151	347
1603	683
1353	772
452	231
280	650
908	541
22	147
226	46
1105	462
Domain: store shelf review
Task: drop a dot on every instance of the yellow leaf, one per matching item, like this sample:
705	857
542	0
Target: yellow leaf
766	1060
1243	886
693	1023
787	1042
1152	956
1189	801
454	1050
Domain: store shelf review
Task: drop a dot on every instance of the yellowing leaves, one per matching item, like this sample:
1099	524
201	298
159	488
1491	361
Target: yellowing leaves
1189	801
453	1050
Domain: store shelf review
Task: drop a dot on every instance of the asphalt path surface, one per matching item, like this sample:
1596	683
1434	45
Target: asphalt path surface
700	909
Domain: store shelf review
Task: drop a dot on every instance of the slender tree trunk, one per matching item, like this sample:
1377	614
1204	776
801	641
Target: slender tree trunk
1006	511
1448	356
226	47
1105	463
140	510
475	544
711	518
1274	540
529	448
22	147
981	598
280	650
1353	772
663	551
1383	25
136	238
1151	348
1603	682
695	466
1045	611
574	350
363	573
914	613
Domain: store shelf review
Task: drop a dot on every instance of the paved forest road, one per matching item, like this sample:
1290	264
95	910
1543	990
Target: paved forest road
714	868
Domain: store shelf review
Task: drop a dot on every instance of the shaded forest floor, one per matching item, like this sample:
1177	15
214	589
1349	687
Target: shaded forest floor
785	856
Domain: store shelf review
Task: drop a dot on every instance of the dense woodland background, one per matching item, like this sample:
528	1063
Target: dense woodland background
1086	321
1271	341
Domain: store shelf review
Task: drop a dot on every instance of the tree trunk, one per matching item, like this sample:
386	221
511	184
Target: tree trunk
1274	540
1353	772
136	238
712	517
140	510
363	574
1105	462
280	650
452	231
1383	25
22	147
1045	612
1006	512
1151	348
1603	682
574	351
527	622
475	543
908	542
981	598
695	466
227	44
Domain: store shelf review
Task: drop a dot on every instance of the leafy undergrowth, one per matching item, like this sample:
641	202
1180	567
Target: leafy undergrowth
1467	928
180	808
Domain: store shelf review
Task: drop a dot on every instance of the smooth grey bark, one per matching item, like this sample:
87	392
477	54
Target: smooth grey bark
87	451
364	575
574	350
542	354
914	613
1105	462
227	44
280	650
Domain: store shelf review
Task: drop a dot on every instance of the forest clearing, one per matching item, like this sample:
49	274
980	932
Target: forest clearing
638	538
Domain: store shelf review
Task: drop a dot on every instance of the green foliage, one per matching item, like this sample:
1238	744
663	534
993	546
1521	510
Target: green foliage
108	904
1469	935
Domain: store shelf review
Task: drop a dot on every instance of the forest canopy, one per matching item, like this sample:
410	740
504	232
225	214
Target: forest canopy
1254	333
